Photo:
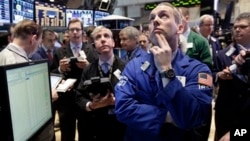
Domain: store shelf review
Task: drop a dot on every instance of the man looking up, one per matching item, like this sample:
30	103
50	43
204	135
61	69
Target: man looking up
98	121
161	96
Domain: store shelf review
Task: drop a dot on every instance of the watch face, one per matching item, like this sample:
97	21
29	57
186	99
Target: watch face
170	73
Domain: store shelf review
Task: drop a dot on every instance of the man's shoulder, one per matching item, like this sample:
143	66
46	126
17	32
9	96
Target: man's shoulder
197	37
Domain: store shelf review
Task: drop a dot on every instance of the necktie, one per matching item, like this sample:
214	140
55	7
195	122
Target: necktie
49	55
105	67
76	51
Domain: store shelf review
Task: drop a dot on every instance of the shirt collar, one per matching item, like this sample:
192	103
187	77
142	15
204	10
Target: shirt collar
72	45
186	34
45	49
109	61
20	50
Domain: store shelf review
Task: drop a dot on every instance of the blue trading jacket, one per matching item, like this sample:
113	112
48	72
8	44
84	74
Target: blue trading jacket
142	103
136	53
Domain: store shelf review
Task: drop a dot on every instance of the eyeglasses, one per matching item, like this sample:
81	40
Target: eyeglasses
142	41
240	27
75	29
208	24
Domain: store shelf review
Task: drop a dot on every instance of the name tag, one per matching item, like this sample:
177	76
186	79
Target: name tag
117	74
230	51
145	65
182	79
190	45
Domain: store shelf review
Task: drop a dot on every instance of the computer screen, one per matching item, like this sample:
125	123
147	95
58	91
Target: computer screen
26	99
4	11
22	9
86	16
50	14
100	14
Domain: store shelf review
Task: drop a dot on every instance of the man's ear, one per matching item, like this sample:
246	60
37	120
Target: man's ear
113	43
180	29
33	38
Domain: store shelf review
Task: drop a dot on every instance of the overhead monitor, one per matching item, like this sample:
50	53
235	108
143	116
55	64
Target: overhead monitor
100	14
4	11
50	14
22	9
25	102
86	16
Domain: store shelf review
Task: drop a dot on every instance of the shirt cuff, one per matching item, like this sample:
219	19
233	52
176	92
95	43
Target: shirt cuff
165	81
87	106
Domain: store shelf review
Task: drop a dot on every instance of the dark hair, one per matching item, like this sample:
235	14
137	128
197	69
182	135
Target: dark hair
46	32
245	15
75	21
89	30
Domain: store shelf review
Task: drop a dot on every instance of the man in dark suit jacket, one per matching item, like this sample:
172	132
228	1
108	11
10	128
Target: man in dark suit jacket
61	64
98	121
206	26
232	105
47	49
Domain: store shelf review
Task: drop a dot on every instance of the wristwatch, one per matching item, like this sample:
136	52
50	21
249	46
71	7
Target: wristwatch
170	74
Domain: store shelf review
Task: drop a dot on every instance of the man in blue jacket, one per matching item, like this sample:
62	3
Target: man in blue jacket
162	96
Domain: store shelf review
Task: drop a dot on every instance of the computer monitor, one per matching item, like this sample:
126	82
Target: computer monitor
86	16
22	9
4	12
50	14
25	102
100	14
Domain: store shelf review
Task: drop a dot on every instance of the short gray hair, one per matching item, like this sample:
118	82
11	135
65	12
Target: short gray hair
205	16
131	32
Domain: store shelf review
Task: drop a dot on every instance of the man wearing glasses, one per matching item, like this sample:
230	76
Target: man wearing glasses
71	69
233	102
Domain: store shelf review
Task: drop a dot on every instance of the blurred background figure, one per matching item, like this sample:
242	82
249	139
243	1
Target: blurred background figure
197	46
47	48
206	26
57	42
66	39
144	42
129	41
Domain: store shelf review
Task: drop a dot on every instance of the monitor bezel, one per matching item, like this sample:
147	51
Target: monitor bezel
6	133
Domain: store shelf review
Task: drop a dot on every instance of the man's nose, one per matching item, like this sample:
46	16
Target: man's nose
156	20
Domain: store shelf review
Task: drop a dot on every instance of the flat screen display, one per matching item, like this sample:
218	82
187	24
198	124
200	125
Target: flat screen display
22	9
49	14
27	98
4	11
86	16
100	14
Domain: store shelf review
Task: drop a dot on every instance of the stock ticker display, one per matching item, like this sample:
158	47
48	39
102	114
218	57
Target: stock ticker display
4	11
22	9
86	16
48	14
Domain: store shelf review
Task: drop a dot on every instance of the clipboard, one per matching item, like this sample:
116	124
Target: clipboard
98	85
55	79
